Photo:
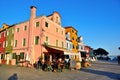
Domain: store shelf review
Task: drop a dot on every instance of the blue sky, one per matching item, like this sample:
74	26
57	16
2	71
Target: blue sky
98	21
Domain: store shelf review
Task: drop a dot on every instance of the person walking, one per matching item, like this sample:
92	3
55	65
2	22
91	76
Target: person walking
61	65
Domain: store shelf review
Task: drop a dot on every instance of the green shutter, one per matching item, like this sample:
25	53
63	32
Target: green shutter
37	24
21	55
24	42
2	56
36	40
47	40
25	28
57	43
14	56
62	44
56	29
15	43
17	29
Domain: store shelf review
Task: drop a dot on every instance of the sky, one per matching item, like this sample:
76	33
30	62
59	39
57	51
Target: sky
98	21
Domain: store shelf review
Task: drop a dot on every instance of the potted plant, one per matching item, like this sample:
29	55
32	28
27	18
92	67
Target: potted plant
78	64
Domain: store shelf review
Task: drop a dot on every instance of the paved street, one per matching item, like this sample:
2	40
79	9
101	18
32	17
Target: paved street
98	71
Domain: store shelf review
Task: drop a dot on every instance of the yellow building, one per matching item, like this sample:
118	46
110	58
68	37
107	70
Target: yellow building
73	37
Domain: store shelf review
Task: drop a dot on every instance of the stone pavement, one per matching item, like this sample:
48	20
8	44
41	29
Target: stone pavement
100	70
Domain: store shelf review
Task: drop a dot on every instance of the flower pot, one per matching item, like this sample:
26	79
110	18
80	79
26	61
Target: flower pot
78	65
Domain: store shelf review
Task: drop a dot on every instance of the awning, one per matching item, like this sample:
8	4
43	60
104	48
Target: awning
71	53
66	52
56	48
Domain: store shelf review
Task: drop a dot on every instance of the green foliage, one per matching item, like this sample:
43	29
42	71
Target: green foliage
119	48
101	51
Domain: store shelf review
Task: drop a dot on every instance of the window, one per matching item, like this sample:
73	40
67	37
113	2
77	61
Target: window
36	40
2	56
15	43
82	47
62	44
46	24
57	43
17	30
62	32
76	40
67	45
25	28
76	47
73	47
76	33
73	31
37	24
46	40
56	19
22	55
4	33
72	38
56	29
4	44
14	56
24	42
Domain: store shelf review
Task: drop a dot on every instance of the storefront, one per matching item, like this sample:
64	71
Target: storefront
53	52
57	52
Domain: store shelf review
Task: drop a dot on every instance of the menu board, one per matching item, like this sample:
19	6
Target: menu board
72	63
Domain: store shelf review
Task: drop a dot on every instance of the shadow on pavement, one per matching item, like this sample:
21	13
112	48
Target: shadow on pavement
111	75
13	77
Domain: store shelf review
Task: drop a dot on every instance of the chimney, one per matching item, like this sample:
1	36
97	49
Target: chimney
33	12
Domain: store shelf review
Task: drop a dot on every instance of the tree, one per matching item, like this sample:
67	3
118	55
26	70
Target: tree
119	48
101	52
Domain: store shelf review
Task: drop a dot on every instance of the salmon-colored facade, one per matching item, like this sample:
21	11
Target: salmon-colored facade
21	39
39	37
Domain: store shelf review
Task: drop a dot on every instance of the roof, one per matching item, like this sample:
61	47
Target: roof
70	27
53	13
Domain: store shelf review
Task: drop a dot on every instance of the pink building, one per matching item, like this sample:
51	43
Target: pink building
21	39
39	37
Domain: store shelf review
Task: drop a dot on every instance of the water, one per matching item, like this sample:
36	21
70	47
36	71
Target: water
113	58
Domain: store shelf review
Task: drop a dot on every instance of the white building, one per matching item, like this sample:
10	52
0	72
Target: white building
69	44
